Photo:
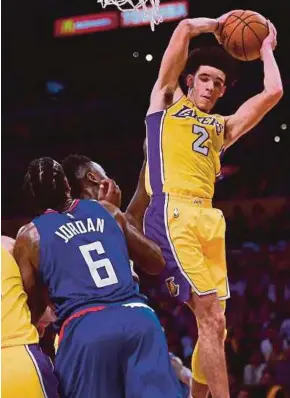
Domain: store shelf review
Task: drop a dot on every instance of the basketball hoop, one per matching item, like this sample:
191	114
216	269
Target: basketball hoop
149	7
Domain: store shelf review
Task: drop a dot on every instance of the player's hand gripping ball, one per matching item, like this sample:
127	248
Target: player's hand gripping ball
242	33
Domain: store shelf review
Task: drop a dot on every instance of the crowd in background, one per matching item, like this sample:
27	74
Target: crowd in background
107	129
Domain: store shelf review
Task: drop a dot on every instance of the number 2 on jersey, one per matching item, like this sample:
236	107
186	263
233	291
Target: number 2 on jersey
94	266
198	145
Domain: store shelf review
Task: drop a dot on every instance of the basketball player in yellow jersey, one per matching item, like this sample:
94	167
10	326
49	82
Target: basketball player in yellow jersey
25	371
184	142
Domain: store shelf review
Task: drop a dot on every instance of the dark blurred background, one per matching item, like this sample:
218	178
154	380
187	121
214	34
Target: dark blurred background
88	94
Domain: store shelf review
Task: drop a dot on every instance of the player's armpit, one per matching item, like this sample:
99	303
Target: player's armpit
26	255
139	203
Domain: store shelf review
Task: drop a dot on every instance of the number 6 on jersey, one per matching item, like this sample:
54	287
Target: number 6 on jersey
94	266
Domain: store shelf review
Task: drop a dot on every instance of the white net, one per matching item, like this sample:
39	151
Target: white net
150	8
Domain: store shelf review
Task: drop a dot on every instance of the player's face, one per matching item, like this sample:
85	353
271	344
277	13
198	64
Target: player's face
206	87
95	176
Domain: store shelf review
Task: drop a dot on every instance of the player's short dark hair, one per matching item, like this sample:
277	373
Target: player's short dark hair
75	167
46	184
214	56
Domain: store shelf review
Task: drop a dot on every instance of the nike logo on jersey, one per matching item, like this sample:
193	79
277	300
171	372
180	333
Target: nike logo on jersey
70	229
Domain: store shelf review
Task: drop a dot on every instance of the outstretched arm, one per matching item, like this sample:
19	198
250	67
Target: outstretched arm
142	251
175	58
26	254
253	110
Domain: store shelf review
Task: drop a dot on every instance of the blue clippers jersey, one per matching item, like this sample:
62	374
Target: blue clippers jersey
84	259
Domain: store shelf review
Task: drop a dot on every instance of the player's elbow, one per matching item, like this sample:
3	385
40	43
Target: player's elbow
183	27
279	92
134	219
275	94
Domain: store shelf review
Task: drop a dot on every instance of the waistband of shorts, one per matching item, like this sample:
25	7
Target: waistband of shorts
137	305
193	200
96	309
77	315
36	345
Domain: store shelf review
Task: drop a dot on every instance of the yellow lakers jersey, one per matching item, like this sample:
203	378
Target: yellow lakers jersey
183	150
15	315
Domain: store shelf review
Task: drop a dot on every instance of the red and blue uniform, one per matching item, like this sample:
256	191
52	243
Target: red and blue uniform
111	342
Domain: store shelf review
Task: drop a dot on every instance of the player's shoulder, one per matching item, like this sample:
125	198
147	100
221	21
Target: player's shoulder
25	229
27	233
164	99
219	123
27	241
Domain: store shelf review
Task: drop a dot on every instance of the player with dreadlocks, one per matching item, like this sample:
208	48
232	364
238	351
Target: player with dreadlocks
111	343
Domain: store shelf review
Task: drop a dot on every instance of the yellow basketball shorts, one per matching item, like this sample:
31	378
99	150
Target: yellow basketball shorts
27	373
191	235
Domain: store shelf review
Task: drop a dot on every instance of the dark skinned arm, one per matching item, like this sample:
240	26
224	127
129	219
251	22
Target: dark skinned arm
26	254
140	201
142	251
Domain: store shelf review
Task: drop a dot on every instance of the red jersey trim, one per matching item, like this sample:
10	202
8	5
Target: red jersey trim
77	315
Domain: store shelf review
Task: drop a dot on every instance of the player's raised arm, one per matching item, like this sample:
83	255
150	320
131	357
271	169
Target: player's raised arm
142	251
140	201
175	56
26	253
253	110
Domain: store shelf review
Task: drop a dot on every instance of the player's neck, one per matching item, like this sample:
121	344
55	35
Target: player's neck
90	192
67	204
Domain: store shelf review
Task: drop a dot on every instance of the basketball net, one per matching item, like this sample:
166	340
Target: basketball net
149	7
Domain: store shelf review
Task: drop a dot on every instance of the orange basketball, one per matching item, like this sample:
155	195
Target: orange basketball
243	33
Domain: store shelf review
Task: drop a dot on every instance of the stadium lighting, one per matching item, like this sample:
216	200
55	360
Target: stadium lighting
149	57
